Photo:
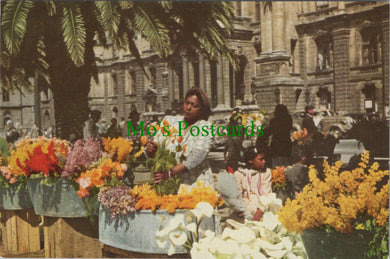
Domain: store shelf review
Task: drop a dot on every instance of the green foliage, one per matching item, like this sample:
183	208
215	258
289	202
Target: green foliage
163	160
379	245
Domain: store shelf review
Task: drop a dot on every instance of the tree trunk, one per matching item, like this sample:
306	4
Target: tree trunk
70	84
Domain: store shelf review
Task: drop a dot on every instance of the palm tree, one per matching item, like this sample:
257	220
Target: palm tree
55	40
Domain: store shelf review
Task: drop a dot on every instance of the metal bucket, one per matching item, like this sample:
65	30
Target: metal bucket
11	199
137	232
56	200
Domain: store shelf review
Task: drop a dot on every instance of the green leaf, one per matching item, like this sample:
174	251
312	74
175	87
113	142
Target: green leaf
109	17
73	30
13	24
152	28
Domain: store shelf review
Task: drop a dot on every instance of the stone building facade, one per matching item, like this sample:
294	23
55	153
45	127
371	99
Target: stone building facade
328	54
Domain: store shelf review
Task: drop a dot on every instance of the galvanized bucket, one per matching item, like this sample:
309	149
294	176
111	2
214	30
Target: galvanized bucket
56	200
137	232
11	199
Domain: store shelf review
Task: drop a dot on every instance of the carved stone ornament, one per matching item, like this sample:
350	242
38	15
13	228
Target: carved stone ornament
269	68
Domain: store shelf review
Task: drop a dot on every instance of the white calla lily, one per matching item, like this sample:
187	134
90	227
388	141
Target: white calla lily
203	209
178	238
287	243
191	227
270	221
171	250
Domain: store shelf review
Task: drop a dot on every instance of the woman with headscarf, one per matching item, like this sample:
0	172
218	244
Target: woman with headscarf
279	130
194	167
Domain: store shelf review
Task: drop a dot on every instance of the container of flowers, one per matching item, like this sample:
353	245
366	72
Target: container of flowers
130	218
345	215
13	191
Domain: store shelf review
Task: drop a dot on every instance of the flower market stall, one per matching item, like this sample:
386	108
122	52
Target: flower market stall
90	208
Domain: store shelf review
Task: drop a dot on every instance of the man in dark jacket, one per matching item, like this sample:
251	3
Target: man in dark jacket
308	121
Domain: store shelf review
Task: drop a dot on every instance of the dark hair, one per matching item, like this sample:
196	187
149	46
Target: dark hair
203	100
251	153
309	107
96	113
281	111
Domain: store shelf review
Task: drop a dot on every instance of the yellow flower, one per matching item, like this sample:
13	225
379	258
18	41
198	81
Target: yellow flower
339	198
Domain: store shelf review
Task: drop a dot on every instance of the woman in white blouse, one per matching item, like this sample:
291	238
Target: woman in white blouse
195	142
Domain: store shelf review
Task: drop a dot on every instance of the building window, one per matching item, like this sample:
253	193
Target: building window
325	98
115	84
133	82
323	53
370	46
5	94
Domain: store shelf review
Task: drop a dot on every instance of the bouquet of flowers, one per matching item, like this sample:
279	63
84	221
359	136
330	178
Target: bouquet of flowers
163	160
105	172
345	202
301	137
279	178
39	156
83	154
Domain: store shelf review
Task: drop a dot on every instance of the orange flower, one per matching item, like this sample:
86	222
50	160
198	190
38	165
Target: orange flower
144	140
184	148
83	193
165	123
180	139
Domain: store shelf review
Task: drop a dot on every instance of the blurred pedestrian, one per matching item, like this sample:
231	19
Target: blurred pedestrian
12	135
91	129
297	176
114	131
278	133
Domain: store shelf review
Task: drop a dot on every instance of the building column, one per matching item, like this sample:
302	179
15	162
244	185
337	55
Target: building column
220	84
278	26
226	82
186	86
170	86
121	77
385	62
202	78
341	66
266	28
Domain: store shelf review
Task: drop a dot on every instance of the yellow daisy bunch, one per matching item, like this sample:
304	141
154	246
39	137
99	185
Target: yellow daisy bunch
119	148
339	199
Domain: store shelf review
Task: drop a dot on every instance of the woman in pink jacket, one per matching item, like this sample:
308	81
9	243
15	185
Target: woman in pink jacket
254	181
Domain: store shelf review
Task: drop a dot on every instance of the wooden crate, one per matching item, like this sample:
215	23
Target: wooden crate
113	252
19	232
71	237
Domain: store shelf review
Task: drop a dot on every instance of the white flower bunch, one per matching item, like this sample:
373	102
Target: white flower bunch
255	239
179	233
